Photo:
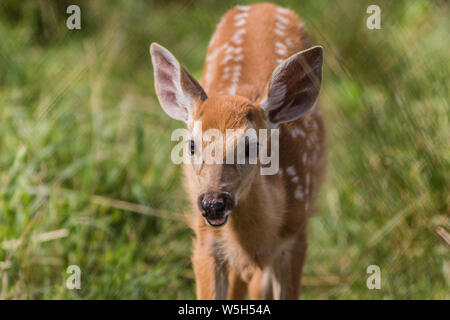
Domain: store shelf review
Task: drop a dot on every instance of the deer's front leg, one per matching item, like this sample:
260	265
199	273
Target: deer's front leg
211	275
237	288
287	270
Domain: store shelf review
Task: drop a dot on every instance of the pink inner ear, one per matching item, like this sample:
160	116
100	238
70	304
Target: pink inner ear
162	62
165	73
164	78
177	90
169	96
166	86
295	86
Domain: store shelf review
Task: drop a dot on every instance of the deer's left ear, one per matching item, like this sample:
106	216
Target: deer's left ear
294	86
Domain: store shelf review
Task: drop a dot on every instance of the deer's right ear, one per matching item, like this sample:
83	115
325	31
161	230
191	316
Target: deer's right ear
178	92
294	87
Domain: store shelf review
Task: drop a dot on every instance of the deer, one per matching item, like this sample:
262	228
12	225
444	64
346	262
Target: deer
250	229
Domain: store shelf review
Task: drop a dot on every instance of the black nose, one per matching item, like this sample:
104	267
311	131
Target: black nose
215	204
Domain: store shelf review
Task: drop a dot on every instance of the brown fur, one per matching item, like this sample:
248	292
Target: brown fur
269	224
262	248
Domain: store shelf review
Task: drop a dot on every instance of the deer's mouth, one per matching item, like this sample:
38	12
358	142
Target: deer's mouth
215	207
217	222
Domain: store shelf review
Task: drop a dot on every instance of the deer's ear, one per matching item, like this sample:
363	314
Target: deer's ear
178	92
294	86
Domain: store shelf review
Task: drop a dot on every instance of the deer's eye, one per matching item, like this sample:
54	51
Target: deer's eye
192	146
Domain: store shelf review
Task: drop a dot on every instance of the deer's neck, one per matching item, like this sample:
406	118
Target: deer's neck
254	212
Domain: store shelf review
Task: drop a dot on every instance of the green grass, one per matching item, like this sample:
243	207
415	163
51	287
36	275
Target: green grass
81	130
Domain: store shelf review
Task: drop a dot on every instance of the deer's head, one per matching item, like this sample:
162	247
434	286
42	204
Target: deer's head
221	184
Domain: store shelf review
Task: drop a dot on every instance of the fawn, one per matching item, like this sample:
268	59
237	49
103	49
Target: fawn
256	76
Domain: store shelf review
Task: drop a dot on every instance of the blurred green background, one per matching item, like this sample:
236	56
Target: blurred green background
85	171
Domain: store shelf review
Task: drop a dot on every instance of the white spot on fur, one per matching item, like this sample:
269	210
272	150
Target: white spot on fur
243	8
297	132
294	132
282	19
280	26
241	16
301	132
225	76
208	77
279	32
289	43
237	37
281	52
213	55
235	50
301	27
298	194
279	44
306	204
314	157
226	59
281	48
295	179
240	23
238	58
232	89
236	73
283	10
304	158
290	170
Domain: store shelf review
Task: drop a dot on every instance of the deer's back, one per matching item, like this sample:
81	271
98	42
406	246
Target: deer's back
249	42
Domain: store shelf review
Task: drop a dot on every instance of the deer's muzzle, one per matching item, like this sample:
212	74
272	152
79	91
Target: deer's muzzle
215	207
